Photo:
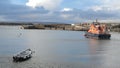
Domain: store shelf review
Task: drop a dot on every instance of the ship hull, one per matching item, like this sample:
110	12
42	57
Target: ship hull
97	36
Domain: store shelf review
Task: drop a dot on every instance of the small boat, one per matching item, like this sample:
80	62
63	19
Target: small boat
97	31
24	55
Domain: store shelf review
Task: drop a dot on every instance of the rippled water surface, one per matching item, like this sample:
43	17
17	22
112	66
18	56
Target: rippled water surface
58	49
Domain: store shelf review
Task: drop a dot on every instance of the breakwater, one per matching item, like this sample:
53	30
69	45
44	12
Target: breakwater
113	27
77	27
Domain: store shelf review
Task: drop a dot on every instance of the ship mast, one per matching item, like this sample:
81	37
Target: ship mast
96	22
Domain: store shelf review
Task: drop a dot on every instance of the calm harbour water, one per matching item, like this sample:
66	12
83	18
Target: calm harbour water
58	49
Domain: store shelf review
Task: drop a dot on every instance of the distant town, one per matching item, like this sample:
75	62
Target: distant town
113	27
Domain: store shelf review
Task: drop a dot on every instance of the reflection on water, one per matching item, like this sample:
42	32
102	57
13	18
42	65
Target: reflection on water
57	49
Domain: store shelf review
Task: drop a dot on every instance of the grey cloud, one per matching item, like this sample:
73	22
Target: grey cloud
18	9
92	15
4	1
12	12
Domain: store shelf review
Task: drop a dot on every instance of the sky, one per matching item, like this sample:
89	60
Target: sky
62	11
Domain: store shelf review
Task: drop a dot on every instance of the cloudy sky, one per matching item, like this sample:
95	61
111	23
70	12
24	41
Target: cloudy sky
64	11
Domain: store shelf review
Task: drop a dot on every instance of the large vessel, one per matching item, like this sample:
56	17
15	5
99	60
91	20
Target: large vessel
98	31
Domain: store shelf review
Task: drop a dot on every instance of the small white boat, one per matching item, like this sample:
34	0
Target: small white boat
27	54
